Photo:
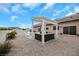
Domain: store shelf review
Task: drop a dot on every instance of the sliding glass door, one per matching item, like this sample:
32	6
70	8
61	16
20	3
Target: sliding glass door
69	30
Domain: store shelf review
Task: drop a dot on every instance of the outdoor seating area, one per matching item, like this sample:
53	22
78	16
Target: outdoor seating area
43	36
46	36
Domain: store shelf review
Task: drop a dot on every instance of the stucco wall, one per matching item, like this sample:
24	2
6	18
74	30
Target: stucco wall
75	23
61	25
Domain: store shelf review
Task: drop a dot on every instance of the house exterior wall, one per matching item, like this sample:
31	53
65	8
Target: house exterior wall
74	23
51	29
72	20
61	25
36	30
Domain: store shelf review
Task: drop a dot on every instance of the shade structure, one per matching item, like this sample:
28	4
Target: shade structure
44	21
41	19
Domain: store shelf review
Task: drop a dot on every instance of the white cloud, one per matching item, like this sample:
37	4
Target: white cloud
76	9
70	13
66	8
3	8
13	18
30	5
17	9
23	25
48	5
53	18
57	12
3	26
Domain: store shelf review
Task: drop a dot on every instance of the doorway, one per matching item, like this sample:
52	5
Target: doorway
69	30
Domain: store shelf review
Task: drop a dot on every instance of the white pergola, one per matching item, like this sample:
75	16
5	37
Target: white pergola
44	20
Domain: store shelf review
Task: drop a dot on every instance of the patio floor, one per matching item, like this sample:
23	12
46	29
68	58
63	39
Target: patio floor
24	45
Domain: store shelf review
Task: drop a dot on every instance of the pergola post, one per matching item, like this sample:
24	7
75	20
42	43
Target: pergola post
56	33
45	28
32	29
43	32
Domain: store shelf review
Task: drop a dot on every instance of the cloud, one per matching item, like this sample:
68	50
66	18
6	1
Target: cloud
56	13
31	5
3	8
66	8
48	5
76	9
22	25
70	13
18	9
13	18
53	18
3	26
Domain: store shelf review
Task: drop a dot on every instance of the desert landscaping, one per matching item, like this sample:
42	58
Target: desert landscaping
39	29
24	45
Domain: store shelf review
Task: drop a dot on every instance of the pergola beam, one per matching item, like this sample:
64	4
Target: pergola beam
40	19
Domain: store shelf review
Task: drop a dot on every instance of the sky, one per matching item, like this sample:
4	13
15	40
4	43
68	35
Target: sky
21	14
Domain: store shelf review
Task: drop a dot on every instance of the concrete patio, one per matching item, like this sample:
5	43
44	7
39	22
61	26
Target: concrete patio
24	45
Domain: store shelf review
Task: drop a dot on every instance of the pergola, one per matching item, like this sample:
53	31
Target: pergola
44	21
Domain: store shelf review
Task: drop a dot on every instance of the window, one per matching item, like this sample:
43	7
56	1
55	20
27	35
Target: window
46	28
72	30
65	30
39	29
54	27
46	32
58	27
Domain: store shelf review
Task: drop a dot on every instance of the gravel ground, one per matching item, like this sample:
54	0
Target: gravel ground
24	45
3	35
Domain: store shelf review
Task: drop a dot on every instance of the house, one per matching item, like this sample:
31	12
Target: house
67	25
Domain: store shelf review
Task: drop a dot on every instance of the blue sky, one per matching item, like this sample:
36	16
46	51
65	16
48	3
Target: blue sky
20	15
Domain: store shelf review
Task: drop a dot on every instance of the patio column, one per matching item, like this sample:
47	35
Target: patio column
32	29
56	34
42	32
44	28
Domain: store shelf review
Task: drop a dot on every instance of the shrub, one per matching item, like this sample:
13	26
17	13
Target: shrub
11	35
7	28
14	32
5	48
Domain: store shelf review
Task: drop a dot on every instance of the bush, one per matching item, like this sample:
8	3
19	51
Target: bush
11	35
5	48
7	28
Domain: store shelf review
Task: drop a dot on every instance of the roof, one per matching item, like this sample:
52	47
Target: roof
74	17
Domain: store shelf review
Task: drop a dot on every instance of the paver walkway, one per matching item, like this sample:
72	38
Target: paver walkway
25	46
